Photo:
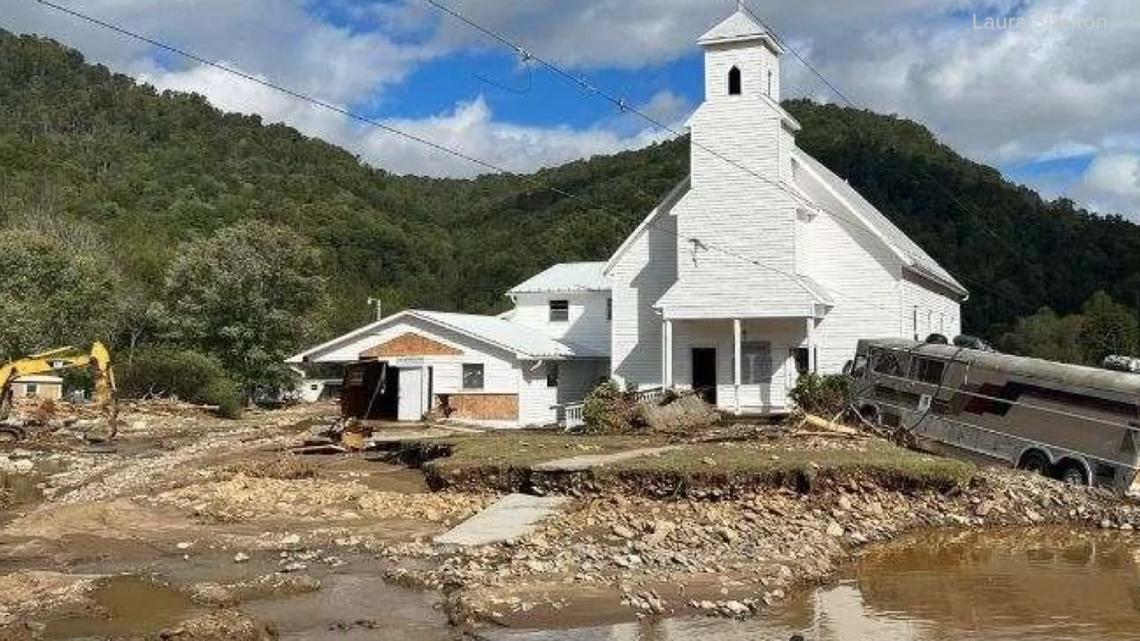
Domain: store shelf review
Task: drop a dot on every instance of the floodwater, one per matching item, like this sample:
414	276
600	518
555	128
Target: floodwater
127	606
1017	585
355	608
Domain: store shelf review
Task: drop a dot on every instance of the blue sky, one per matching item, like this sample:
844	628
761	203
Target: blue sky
1052	106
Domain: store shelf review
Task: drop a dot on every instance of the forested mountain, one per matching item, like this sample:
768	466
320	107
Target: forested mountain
109	167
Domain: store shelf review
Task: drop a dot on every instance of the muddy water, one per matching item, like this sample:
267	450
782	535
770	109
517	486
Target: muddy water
126	606
355	608
1004	586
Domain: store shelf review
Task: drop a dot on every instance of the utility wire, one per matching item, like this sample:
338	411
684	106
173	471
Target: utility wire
783	42
532	179
623	105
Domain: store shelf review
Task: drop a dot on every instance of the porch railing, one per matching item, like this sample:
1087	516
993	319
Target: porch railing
570	416
651	395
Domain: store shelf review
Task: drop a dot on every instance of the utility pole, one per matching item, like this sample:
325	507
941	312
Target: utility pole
377	311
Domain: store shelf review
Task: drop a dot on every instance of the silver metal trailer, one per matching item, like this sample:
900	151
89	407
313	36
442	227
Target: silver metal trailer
1077	424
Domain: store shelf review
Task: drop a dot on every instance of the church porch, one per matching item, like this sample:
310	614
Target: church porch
741	365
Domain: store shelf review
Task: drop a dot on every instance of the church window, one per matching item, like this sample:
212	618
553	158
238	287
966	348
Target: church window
734	81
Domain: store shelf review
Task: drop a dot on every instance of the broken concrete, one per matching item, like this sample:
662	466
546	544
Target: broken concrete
510	517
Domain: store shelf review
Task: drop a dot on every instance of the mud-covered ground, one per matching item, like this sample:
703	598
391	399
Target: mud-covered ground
190	527
193	527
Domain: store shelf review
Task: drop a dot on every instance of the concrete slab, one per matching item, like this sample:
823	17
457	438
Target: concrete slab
511	516
590	461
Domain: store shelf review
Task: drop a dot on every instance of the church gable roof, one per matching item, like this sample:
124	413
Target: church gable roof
878	223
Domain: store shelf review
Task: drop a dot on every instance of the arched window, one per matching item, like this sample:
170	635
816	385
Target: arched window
734	81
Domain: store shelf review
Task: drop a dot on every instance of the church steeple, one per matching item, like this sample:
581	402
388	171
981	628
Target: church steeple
742	58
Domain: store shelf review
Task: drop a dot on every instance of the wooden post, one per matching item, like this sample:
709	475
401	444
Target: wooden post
736	360
668	383
812	365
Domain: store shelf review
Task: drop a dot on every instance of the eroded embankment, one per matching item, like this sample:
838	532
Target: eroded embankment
720	529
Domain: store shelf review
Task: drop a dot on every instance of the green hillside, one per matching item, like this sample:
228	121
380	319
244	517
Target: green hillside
114	169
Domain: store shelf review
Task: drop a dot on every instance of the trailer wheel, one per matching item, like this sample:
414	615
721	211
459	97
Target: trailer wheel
1072	473
870	413
1036	462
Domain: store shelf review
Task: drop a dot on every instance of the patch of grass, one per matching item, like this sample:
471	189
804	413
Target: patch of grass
523	449
502	461
806	460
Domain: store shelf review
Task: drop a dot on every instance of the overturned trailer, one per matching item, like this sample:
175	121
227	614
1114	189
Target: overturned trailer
1078	424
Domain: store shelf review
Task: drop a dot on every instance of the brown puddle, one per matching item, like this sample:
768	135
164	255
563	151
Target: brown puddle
355	608
1019	585
129	606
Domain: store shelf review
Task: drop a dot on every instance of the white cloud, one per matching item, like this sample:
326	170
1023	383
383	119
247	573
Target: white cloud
472	130
1111	183
279	39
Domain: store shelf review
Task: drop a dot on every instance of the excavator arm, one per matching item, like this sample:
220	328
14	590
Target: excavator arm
98	360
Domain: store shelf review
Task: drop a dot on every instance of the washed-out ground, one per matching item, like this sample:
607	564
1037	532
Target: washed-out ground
194	527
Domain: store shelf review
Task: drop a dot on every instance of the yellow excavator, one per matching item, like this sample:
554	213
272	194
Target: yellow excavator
98	362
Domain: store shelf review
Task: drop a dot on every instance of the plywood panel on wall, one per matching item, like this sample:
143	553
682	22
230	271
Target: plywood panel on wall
410	344
486	407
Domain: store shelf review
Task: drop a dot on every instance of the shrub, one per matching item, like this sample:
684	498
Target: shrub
610	410
181	374
827	395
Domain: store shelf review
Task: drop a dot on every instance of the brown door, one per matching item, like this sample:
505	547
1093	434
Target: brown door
704	373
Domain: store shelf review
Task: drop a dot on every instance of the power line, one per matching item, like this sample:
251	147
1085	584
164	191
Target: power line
842	96
532	179
623	105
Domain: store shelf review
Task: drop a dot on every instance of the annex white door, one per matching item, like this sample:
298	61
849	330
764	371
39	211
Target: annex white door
411	395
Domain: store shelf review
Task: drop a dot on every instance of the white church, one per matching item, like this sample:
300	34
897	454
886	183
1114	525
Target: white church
759	266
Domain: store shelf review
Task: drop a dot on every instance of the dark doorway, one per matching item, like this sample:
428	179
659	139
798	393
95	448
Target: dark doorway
704	373
370	391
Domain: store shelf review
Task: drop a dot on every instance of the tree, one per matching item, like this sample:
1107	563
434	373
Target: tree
245	295
1104	327
1108	328
51	296
1047	335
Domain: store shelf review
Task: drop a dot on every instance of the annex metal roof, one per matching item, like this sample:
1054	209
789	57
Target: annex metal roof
919	260
566	277
524	342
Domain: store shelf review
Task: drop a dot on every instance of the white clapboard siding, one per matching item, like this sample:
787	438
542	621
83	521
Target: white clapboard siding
642	271
537	401
860	271
587	330
577	378
926	310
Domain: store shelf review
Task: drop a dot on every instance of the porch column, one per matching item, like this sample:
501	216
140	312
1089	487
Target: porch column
668	356
812	365
736	361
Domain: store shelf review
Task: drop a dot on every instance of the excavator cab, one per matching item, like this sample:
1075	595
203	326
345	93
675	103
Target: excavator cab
97	360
